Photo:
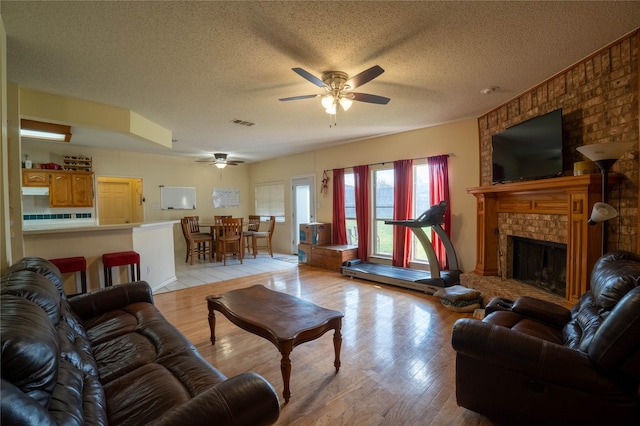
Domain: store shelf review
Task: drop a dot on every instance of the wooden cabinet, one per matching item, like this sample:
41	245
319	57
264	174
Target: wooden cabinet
82	189
66	188
329	257
60	190
35	177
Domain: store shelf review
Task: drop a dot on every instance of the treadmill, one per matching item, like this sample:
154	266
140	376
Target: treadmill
416	279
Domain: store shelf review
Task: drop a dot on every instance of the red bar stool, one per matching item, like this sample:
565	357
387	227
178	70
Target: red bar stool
121	258
73	265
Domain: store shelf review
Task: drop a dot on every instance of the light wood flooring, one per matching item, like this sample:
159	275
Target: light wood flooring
398	367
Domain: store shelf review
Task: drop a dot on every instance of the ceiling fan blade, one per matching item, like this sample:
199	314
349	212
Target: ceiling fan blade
308	76
205	160
234	162
295	98
365	76
372	99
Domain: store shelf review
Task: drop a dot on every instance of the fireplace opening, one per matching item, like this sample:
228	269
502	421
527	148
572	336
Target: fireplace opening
541	264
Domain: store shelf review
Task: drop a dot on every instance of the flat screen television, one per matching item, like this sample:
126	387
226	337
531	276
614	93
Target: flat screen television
529	150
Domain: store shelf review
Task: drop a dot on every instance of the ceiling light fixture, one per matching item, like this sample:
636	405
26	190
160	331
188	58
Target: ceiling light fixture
489	90
221	165
47	131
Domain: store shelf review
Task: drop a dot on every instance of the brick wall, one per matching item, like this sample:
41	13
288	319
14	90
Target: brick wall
599	100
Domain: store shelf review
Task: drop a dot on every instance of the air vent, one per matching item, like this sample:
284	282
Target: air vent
243	123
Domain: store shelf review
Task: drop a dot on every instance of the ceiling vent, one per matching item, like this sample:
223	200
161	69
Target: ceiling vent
243	123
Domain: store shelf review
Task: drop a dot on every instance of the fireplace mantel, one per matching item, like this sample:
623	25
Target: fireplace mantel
569	195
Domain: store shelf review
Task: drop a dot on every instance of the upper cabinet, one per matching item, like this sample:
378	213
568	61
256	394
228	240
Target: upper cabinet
66	188
35	177
82	189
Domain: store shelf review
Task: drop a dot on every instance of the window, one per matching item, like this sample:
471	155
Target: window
420	204
382	201
350	209
270	200
382	209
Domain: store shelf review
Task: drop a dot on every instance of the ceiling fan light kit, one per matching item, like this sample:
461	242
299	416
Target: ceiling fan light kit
337	86
220	160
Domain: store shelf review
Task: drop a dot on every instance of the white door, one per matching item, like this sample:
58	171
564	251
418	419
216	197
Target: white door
303	203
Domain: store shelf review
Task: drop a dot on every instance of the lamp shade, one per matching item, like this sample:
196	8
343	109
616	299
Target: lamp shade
602	212
605	151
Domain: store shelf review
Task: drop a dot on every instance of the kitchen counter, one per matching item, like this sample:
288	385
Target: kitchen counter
75	227
152	240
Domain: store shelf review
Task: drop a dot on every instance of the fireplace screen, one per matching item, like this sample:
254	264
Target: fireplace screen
541	264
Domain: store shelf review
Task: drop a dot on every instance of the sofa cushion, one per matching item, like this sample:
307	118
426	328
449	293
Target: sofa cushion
32	286
613	276
524	325
616	344
29	348
41	267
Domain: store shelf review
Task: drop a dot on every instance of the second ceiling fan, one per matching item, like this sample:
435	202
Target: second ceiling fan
338	86
220	161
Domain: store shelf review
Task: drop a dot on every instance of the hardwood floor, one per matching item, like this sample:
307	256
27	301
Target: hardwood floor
398	367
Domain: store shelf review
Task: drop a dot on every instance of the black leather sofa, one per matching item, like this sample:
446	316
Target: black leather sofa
109	357
533	362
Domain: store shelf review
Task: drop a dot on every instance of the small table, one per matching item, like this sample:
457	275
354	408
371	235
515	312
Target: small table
284	320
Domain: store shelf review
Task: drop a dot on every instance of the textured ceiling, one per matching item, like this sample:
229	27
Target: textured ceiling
194	67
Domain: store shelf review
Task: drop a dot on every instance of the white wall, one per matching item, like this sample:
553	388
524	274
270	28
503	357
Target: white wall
459	138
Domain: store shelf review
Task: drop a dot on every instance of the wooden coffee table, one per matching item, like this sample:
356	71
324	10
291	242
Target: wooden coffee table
284	320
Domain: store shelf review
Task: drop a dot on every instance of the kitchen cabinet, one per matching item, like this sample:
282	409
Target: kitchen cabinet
66	188
60	190
35	177
82	189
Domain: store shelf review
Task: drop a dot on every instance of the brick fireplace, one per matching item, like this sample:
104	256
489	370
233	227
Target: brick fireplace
599	97
554	210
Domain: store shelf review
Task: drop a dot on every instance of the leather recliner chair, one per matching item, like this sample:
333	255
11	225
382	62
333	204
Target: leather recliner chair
538	363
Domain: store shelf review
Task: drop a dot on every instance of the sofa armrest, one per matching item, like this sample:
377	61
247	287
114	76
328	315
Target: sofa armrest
527	355
97	302
245	399
17	408
542	310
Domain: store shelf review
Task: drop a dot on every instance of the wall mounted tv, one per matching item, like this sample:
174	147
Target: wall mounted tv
529	150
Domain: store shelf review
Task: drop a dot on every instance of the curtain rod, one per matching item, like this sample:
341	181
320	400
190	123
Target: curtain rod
450	154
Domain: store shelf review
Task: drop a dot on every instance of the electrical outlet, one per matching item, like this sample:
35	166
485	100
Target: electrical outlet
148	270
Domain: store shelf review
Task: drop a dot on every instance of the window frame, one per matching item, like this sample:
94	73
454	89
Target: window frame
269	200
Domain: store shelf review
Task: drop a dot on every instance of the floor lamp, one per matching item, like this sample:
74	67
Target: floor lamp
604	155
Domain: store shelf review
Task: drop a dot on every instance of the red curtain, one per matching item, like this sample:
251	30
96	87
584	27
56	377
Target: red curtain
402	210
339	222
438	191
361	177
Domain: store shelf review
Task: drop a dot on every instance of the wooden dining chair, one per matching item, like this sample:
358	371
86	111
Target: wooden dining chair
229	240
265	236
253	226
198	243
193	225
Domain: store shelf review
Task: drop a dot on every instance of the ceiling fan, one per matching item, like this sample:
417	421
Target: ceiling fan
220	160
338	86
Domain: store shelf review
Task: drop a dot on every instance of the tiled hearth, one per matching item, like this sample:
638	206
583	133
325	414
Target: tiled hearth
491	287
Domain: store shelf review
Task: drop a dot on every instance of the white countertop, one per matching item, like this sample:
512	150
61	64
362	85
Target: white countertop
52	229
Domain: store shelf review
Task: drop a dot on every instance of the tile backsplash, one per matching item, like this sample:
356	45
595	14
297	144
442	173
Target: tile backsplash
36	211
